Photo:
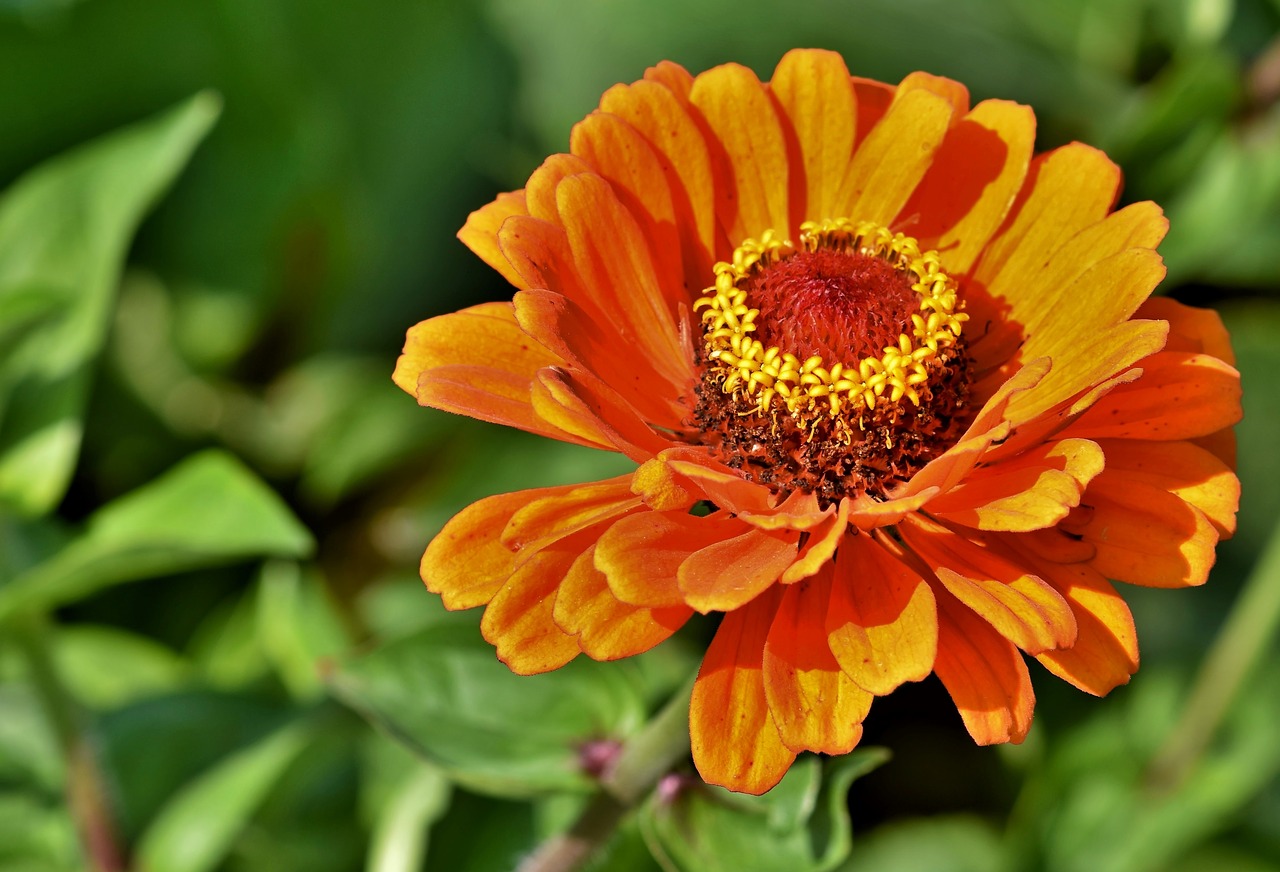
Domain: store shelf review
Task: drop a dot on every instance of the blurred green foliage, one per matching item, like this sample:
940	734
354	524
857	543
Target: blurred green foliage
218	219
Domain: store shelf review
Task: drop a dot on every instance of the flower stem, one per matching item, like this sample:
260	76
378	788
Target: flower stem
644	759
87	795
1241	643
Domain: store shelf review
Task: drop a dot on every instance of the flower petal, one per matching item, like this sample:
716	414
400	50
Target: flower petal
820	547
594	348
1179	396
984	674
580	404
1105	653
972	182
893	158
815	92
1199	331
540	191
1099	276
606	627
727	575
477	362
948	89
1185	470
641	554
1032	491
881	622
1144	534
518	621
658	112
617	270
1023	608
739	112
734	735
661	488
1097	357
466	563
815	705
1067	190
480	233
567	511
624	158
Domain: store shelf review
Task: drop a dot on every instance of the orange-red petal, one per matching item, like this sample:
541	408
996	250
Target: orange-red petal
893	158
606	627
477	362
726	575
740	114
1185	470
985	675
480	233
466	563
881	622
734	735
972	181
640	555
1144	534
815	705
1032	491
1021	606
1105	652
1180	396
816	94
568	510
519	620
584	406
659	113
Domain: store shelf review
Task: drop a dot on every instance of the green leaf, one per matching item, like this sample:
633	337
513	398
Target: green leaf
104	667
37	835
444	692
399	842
802	825
298	625
195	831
943	844
208	510
64	229
29	752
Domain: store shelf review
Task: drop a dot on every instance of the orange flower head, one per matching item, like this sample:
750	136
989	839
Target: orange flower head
900	401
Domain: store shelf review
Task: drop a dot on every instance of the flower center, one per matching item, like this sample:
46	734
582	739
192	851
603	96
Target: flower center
834	366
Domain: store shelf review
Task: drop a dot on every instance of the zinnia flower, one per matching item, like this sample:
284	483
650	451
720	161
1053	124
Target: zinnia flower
899	400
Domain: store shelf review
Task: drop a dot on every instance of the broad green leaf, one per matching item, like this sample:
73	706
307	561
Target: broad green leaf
208	510
29	753
941	844
802	825
400	605
297	625
153	747
399	841
37	834
104	667
482	834
195	831
64	229
444	692
226	647
1094	808
1225	221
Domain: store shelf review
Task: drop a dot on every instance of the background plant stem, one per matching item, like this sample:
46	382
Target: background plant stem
1243	640
644	759
87	795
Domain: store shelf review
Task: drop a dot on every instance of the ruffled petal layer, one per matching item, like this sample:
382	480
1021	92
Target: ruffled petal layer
735	737
815	704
